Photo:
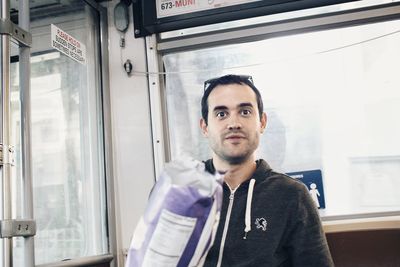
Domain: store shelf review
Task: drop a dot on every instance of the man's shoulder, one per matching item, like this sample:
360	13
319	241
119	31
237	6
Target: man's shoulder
281	180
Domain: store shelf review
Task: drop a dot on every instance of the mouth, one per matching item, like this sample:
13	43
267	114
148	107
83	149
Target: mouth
234	137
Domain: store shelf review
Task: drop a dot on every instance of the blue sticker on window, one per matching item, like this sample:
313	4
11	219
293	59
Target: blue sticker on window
313	180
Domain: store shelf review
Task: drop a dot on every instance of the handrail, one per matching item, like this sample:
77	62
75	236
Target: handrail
362	224
86	261
368	215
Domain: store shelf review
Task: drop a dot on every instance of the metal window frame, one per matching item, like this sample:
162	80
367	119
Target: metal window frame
108	140
251	33
248	33
111	257
147	22
158	116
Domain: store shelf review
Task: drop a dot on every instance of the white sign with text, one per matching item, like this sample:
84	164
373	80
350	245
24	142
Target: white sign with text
68	45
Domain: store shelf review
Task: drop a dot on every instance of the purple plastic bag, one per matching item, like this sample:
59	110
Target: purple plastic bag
180	220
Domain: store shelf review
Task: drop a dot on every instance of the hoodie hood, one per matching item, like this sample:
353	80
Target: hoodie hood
261	173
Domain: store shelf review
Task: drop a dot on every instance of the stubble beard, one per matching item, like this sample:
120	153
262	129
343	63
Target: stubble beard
234	160
224	155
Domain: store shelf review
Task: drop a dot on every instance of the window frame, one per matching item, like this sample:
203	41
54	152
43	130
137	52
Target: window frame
105	128
256	32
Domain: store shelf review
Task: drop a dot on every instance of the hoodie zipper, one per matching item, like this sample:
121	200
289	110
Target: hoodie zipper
226	225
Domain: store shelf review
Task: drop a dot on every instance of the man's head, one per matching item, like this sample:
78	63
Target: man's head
210	84
232	118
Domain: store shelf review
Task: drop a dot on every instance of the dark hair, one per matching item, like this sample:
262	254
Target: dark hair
209	85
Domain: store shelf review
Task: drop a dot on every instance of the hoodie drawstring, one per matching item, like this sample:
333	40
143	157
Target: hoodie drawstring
247	218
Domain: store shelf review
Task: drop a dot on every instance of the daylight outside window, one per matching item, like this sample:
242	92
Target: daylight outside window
67	143
330	97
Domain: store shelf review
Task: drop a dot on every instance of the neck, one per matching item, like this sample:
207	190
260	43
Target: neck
235	174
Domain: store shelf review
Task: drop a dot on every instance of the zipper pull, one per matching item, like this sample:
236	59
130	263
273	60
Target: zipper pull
231	195
245	235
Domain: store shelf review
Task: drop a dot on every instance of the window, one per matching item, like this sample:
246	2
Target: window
67	142
331	98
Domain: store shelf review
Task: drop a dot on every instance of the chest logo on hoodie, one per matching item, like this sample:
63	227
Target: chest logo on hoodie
261	223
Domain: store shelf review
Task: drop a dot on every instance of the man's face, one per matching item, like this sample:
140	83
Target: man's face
234	125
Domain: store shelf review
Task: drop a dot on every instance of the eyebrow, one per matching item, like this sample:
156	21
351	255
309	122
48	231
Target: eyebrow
219	108
241	105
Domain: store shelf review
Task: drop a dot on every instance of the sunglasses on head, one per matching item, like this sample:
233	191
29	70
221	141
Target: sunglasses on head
214	80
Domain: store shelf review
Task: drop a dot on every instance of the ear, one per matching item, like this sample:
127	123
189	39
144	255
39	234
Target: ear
204	127
263	122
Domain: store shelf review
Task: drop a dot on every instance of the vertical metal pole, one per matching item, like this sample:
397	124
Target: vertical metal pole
108	145
26	148
5	137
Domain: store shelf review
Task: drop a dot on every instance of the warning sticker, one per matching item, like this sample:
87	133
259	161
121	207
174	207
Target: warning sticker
68	45
166	8
313	180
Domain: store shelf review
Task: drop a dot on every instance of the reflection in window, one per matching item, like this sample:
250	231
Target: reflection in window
330	107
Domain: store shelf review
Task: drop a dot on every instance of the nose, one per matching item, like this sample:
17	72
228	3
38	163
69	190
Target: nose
234	124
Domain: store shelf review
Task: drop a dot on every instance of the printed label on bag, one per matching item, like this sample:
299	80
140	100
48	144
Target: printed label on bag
169	240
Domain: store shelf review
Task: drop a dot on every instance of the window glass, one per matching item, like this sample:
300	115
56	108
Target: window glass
67	143
330	97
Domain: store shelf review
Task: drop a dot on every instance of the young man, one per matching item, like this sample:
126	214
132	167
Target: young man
267	218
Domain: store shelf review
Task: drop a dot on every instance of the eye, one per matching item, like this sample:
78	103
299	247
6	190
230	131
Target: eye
221	114
245	112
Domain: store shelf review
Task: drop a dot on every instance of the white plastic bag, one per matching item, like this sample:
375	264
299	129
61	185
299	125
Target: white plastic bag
180	220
